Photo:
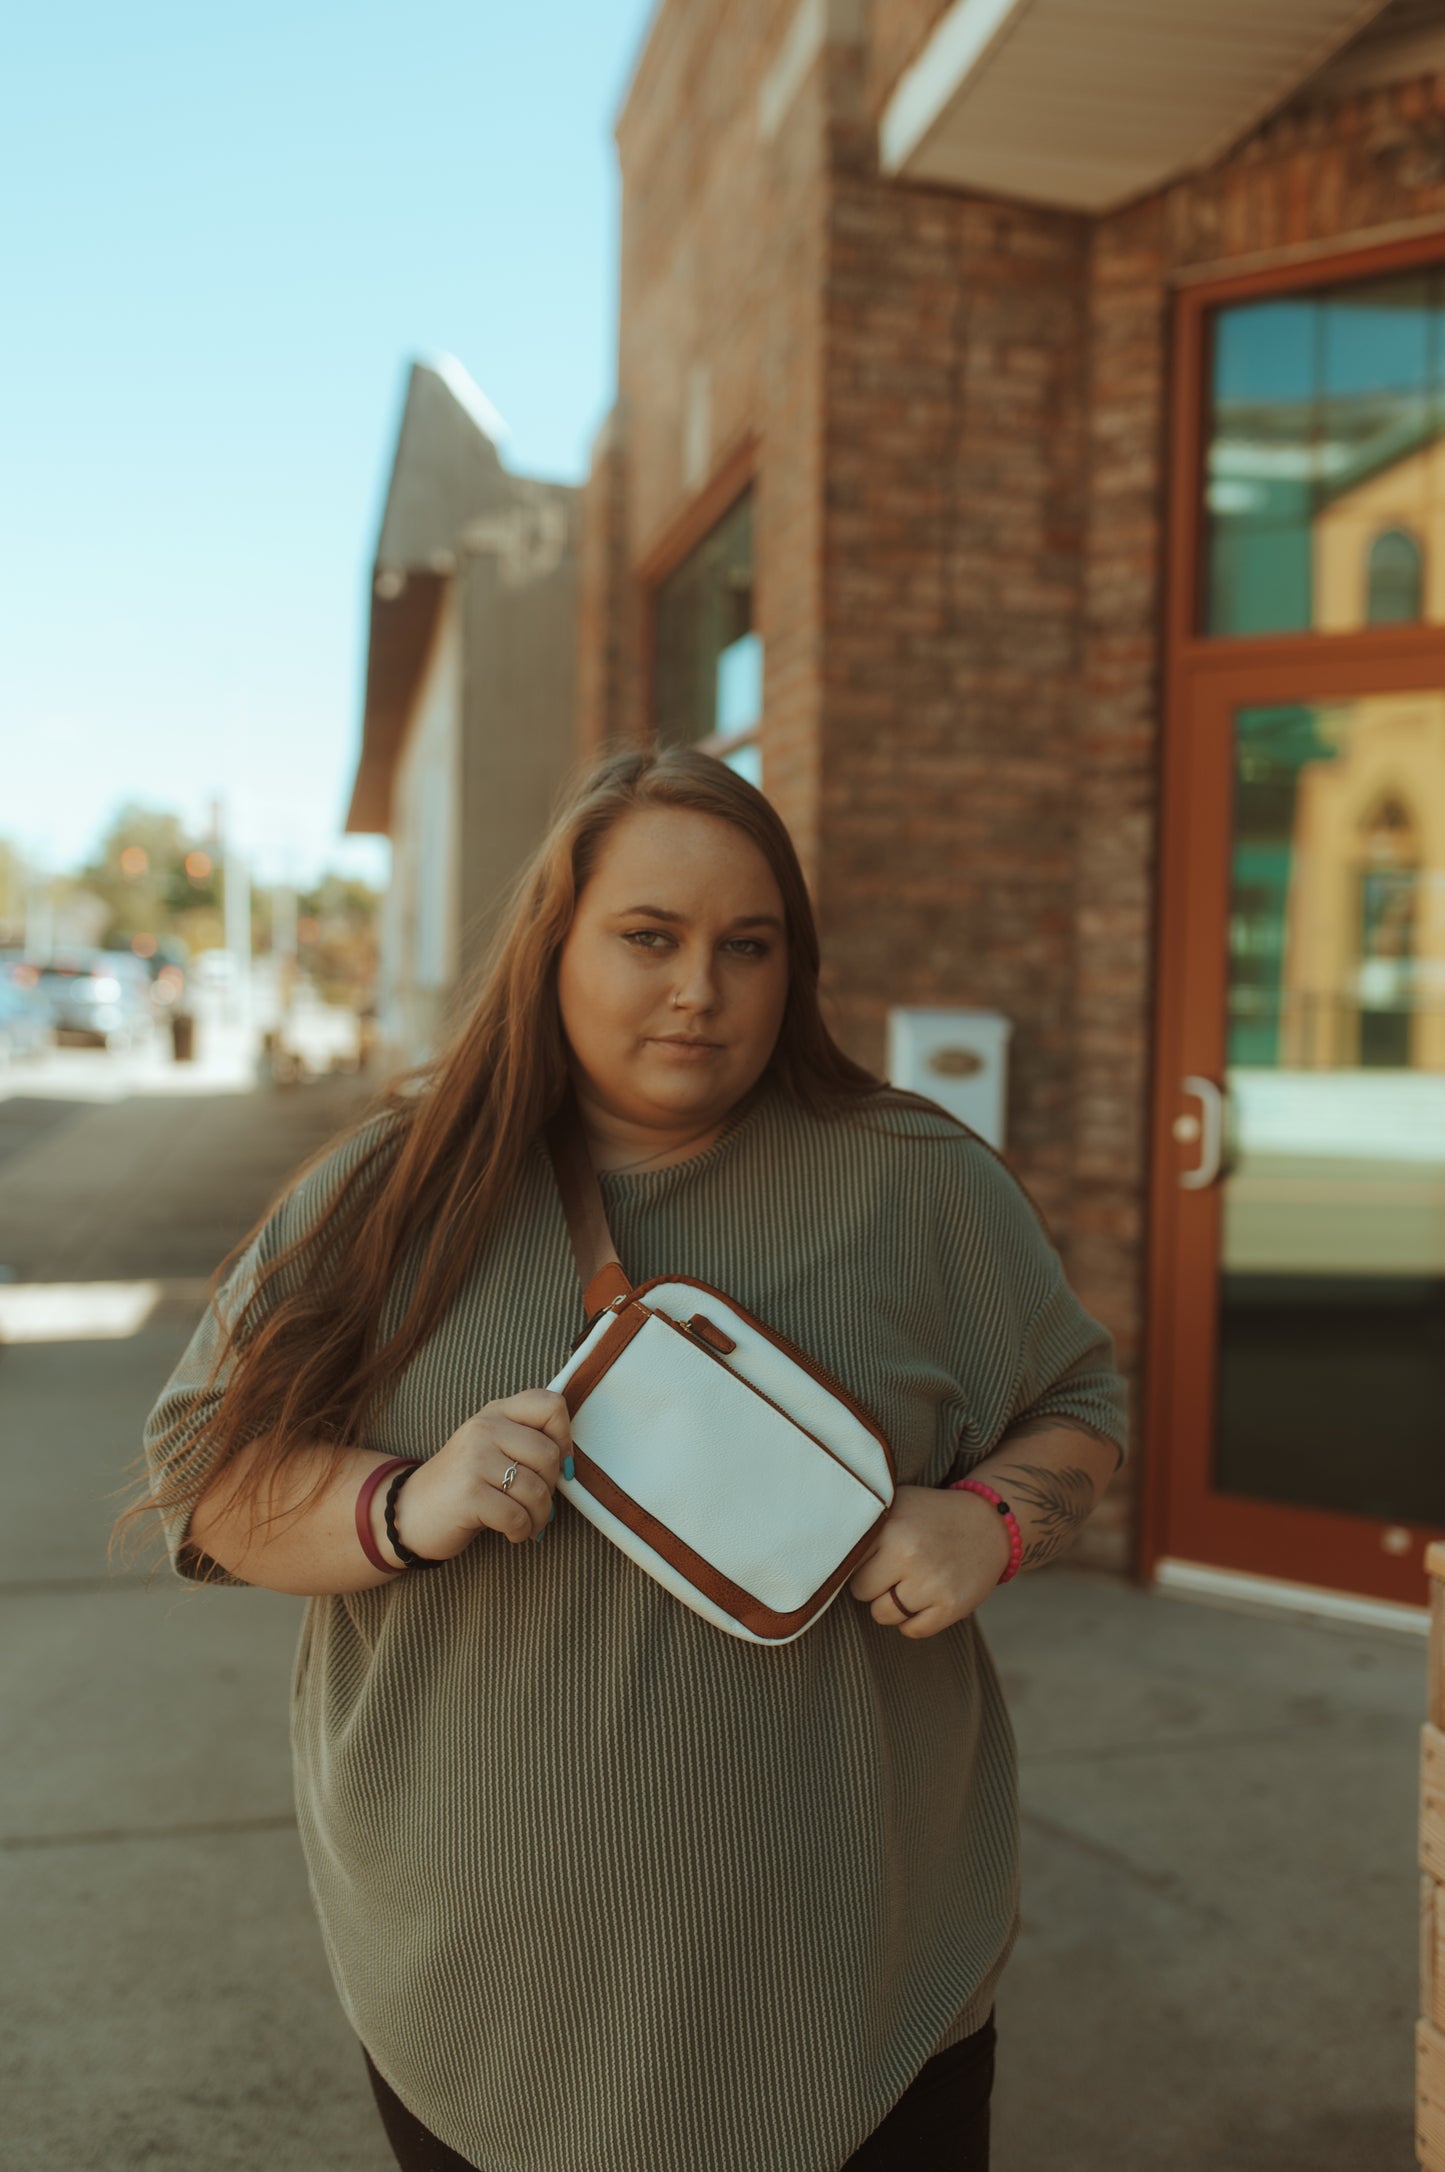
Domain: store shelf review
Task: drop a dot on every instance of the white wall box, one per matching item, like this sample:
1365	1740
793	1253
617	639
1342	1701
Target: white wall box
959	1058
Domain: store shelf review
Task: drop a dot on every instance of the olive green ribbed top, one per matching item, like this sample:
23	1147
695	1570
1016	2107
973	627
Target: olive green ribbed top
601	1886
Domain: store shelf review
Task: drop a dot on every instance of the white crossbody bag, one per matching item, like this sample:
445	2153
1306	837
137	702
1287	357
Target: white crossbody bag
723	1459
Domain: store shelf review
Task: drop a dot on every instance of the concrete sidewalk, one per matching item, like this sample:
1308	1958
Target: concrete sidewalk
168	2001
1217	1970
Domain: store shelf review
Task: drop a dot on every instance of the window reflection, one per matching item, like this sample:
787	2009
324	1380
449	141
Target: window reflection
707	658
1332	1293
1325	463
1395	579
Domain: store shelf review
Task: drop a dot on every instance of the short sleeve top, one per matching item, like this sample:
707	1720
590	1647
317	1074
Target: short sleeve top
599	1884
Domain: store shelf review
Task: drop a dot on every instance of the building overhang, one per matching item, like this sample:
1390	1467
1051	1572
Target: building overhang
404	610
1084	106
446	476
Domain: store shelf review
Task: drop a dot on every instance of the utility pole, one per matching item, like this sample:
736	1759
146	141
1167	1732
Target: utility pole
39	914
283	941
237	908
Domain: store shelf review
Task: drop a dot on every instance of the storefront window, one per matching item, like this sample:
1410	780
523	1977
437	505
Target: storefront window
1325	460
1396	579
708	660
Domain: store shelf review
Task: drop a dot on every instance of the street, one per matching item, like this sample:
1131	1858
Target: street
1216	1971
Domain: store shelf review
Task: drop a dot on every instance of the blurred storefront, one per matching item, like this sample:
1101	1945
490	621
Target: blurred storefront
1029	462
468	726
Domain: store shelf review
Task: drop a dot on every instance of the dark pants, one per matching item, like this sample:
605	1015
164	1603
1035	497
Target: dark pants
939	2124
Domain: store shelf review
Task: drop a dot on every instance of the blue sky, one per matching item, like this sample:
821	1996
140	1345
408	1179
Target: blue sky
227	233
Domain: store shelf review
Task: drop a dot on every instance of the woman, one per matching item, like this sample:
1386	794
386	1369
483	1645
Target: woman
601	1886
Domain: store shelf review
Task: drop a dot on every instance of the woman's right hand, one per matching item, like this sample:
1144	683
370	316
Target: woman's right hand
458	1492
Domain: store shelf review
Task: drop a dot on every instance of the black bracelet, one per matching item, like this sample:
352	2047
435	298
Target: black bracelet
404	1553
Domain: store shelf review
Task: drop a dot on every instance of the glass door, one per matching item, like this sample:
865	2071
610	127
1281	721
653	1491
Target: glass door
1306	1140
1332	1252
1296	1358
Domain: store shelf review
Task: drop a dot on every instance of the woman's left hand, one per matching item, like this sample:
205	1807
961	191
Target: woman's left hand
944	1550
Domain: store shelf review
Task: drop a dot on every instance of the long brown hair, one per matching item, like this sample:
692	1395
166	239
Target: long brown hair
307	1364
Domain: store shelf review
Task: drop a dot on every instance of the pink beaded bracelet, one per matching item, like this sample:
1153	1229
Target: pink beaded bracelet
1016	1537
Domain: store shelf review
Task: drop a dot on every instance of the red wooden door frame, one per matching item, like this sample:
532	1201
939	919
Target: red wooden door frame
1190	1522
1206	680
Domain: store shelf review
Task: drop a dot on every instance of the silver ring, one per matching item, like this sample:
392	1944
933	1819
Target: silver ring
511	1474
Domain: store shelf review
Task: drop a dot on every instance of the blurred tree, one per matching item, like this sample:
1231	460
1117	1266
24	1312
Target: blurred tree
336	939
161	884
134	870
13	876
157	880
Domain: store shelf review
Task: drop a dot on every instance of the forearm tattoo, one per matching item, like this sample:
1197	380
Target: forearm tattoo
1058	1501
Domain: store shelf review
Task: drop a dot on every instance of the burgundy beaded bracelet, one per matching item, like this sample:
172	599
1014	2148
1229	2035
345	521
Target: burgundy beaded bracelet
369	1485
1016	1538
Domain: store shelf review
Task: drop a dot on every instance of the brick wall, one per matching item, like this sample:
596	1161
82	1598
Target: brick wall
1116	819
1319	172
951	629
720	341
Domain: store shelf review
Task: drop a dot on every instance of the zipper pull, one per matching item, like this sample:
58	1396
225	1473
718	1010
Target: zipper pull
707	1331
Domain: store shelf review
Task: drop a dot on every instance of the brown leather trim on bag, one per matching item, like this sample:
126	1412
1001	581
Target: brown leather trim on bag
708	1331
790	1349
734	1601
608	1283
576	1390
586	1217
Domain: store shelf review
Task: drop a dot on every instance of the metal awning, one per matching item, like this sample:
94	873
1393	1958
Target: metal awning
1083	104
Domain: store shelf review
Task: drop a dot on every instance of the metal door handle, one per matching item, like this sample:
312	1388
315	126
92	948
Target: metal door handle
1195	1180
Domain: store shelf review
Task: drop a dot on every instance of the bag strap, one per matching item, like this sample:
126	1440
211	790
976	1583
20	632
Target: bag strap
599	1270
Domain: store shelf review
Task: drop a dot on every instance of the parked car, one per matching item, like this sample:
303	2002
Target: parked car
24	1015
99	995
215	968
